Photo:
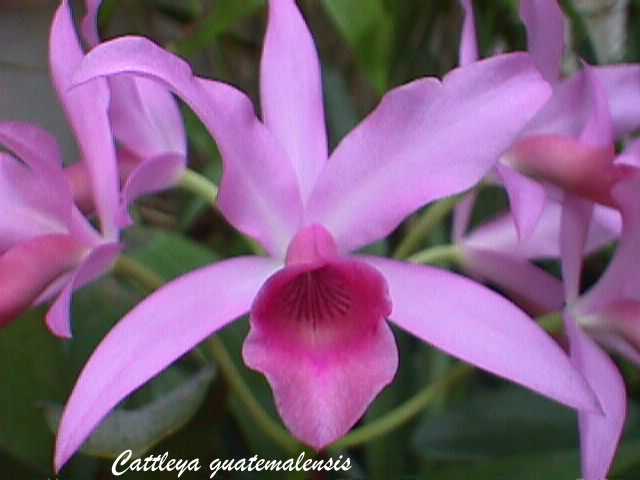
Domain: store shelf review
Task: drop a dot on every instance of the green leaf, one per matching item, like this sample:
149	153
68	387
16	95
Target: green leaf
341	113
508	421
142	428
368	28
168	254
33	369
225	15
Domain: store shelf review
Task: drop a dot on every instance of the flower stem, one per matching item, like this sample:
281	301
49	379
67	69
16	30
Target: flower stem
403	413
200	186
424	225
438	254
130	268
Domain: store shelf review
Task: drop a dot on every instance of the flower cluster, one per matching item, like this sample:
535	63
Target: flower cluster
320	310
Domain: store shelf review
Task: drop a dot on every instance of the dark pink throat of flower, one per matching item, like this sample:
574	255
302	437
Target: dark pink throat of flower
317	296
321	298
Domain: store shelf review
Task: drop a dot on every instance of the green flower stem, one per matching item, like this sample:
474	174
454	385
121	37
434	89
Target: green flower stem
405	412
130	268
424	225
200	186
438	254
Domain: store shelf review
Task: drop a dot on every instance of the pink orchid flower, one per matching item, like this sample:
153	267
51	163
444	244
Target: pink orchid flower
147	125
549	150
48	248
318	313
575	160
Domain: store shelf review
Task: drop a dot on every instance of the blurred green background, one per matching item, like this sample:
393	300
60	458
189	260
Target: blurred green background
481	429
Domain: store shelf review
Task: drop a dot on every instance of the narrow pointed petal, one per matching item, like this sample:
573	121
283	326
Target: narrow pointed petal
566	112
525	283
620	280
500	234
145	117
599	434
89	24
469	42
31	204
545	24
33	145
421	144
319	335
598	131
153	175
96	264
291	91
469	321
462	216
259	193
86	108
157	332
27	270
622	85
576	218
527	200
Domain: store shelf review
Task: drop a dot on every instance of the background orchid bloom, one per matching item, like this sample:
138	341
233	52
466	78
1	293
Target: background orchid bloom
549	148
46	244
57	249
48	248
147	126
575	228
319	328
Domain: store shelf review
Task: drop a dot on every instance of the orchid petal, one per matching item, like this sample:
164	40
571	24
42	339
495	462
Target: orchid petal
319	334
566	112
468	43
86	108
420	144
620	279
259	193
145	117
622	86
98	262
164	327
31	203
291	92
527	284
153	175
599	434
545	24
469	321
574	228
89	24
33	145
500	234
598	132
527	199
462	215
27	270
570	164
